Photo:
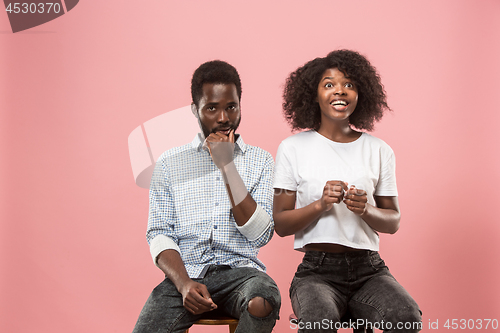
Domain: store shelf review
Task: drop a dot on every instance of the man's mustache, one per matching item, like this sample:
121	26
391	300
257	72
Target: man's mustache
218	128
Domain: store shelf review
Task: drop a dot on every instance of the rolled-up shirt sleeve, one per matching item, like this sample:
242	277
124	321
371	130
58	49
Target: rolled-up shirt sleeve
161	243
259	228
257	225
160	233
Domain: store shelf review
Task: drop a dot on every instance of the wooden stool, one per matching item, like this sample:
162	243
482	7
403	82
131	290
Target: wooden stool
232	322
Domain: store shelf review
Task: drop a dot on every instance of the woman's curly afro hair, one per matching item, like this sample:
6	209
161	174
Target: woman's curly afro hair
301	89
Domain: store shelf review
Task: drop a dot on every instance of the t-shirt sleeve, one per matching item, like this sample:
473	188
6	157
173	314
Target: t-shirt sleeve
284	175
387	182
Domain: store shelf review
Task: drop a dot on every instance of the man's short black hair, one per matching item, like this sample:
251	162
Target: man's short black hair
215	71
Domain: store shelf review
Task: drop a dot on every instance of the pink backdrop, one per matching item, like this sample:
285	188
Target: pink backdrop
73	252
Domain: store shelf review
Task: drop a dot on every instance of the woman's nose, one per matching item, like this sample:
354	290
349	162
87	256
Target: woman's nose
338	90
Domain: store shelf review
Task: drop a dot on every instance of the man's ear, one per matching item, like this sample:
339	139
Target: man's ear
194	110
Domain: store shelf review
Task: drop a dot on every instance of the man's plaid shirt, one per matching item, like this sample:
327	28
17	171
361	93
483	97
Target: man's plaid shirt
188	203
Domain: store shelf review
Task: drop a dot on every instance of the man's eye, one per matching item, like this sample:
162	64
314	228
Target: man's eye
211	108
231	107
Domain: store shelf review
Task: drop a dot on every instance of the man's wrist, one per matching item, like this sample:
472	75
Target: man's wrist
233	179
181	282
229	168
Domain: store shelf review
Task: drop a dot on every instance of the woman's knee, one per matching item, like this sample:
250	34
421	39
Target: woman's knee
406	319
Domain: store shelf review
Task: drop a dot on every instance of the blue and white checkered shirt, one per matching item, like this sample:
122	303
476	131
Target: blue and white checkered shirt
190	211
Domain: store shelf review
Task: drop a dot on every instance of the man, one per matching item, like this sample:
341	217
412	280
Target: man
210	212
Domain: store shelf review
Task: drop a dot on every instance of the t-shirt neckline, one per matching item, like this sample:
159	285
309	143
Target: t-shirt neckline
339	143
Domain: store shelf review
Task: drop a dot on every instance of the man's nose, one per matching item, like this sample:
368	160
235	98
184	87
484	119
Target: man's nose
222	117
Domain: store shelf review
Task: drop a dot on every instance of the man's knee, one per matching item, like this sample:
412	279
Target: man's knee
259	307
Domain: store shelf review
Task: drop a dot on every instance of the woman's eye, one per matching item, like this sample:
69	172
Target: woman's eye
328	85
349	85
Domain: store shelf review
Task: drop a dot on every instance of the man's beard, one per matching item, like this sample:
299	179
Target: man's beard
207	132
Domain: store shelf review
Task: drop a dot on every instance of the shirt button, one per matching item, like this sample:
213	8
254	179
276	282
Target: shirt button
215	227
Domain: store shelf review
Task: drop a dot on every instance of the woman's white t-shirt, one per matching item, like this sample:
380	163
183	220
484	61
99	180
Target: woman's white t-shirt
307	160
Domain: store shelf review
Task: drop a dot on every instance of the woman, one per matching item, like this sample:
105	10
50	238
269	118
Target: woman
335	190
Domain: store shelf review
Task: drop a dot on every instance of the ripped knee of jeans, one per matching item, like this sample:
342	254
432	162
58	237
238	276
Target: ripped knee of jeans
259	307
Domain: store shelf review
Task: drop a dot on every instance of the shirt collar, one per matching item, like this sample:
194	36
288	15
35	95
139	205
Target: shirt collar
197	142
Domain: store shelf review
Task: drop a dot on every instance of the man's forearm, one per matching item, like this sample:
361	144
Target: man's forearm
170	262
244	207
235	186
195	296
242	202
